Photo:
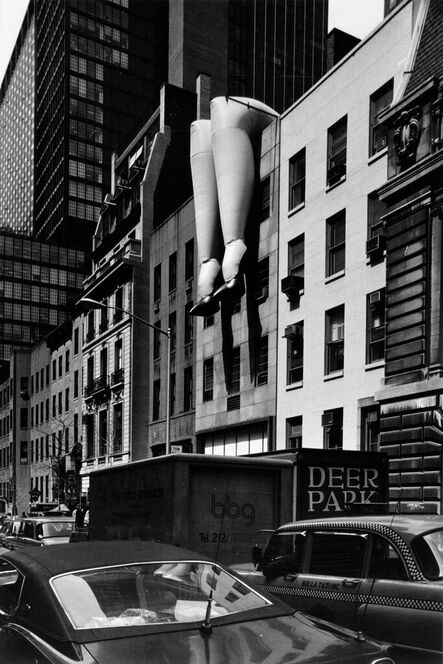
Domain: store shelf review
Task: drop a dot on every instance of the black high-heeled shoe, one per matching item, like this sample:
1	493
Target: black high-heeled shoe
232	291
207	306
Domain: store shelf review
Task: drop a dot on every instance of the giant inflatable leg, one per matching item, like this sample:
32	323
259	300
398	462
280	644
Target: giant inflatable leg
207	218
236	123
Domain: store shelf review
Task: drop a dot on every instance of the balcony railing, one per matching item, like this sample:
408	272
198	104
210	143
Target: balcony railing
117	377
96	386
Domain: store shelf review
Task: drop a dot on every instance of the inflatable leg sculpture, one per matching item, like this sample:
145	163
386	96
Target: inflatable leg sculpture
223	174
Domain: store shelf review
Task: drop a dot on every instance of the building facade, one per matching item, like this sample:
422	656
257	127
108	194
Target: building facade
17	111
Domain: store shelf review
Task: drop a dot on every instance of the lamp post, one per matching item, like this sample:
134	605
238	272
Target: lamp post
95	304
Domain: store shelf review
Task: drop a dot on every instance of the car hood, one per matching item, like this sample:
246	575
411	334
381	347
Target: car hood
285	640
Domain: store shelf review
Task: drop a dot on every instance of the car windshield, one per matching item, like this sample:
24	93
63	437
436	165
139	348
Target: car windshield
144	594
429	551
55	529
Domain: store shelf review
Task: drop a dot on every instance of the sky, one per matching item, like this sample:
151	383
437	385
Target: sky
358	17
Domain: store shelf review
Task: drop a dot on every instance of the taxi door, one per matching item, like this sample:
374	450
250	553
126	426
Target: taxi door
328	584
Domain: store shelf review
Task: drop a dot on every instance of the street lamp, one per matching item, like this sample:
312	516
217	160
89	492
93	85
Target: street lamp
95	304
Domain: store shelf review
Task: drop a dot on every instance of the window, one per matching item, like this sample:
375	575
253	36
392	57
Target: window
118	353
102	432
189	323
23	418
66	362
75	384
332	422
172	394
60	403
157	344
335	333
297	174
67	399
157	282
208	379
294	350
60	366
173	330
378	103
385	561
54	405
173	271
23	451
118	428
118	303
188	401
90	433
156	399
11	585
262	291
335	243
375	326
376	209
189	259
337	554
54	369
294	432
370	429
296	256
234	377
76	341
337	135
265	198
261	374
104	365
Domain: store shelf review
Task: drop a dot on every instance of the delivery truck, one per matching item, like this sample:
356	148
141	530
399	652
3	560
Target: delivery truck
216	504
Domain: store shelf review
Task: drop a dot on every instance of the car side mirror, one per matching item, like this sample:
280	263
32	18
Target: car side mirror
257	555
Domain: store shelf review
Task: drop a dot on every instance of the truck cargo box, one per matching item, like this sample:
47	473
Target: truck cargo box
211	504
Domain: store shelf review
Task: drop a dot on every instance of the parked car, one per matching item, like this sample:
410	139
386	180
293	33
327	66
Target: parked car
381	575
39	531
118	602
5	530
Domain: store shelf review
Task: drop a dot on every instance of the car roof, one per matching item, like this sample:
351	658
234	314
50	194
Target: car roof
406	525
45	519
62	558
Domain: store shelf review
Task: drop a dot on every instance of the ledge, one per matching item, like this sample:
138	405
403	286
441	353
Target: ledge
334	375
294	386
336	184
333	277
377	155
375	365
296	209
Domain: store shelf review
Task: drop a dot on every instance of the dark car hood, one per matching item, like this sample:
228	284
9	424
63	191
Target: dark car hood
285	640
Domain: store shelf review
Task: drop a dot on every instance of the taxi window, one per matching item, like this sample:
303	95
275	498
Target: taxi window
385	561
284	554
337	554
10	587
26	530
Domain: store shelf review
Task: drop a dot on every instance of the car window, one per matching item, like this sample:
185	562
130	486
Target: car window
284	554
10	587
57	529
144	594
337	554
385	561
429	552
26	529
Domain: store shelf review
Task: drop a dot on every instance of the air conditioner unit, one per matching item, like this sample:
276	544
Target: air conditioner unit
327	419
292	285
336	173
375	298
375	244
293	331
372	416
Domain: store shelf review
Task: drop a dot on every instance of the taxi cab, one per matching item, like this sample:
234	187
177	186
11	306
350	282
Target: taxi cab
382	575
